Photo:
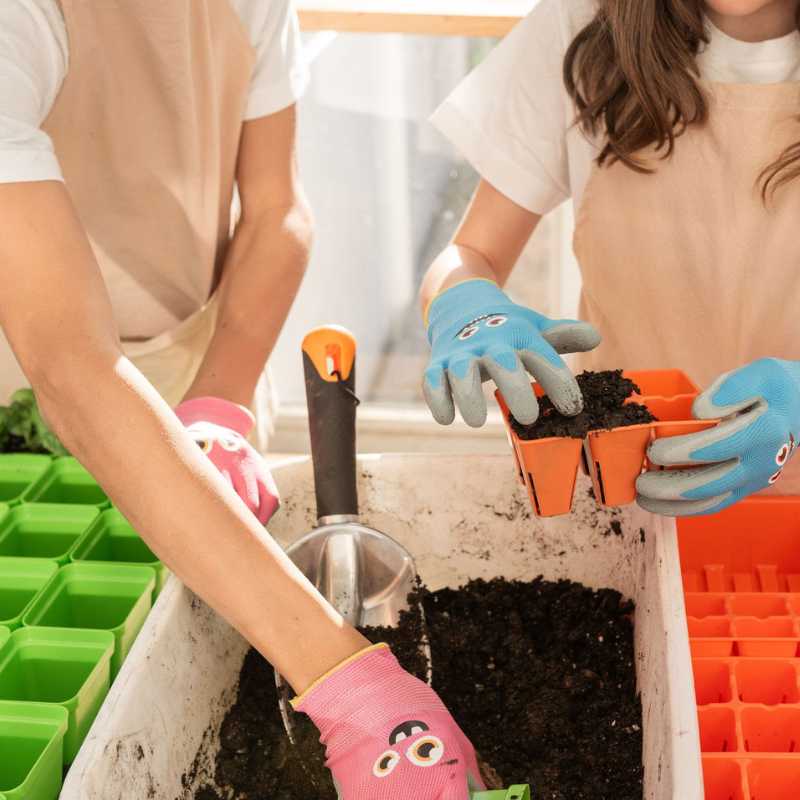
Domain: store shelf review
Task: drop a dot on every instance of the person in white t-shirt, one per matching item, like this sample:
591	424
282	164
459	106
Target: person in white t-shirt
673	127
130	289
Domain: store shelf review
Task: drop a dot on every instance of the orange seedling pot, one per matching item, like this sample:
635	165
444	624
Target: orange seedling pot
661	382
551	470
547	467
616	460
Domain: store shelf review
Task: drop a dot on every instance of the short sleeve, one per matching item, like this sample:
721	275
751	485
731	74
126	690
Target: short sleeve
33	63
509	117
281	74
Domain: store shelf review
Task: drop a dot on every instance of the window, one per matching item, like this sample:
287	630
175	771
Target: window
387	192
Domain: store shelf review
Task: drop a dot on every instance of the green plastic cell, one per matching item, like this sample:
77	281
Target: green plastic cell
66	482
21	579
44	530
70	667
110	597
31	750
112	540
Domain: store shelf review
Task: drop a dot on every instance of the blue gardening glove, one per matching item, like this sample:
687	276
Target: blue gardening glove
760	404
477	333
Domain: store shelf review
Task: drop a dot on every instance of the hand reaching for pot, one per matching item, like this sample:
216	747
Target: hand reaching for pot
477	333
760	408
388	736
219	427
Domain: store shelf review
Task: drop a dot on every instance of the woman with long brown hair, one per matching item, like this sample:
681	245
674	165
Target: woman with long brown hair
674	126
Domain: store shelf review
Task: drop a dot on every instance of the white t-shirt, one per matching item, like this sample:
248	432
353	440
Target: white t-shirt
513	119
34	60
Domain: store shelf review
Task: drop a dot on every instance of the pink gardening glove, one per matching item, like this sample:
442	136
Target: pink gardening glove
388	735
220	428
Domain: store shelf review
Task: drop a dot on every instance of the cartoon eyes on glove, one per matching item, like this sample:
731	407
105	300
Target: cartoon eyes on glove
385	764
426	752
489	320
423	752
782	457
230	443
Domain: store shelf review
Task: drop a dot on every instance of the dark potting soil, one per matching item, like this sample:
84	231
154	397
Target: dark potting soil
604	407
539	675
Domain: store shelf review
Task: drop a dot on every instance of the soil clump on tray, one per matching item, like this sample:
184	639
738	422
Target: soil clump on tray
539	675
604	407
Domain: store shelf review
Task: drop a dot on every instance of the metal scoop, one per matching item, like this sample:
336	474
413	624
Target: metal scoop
366	575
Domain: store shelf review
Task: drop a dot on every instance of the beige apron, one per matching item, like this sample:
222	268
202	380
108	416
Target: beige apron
146	128
686	267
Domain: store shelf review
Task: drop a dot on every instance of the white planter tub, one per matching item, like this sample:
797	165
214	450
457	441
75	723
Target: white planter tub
462	517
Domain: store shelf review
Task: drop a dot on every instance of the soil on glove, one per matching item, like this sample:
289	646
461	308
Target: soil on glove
604	407
539	675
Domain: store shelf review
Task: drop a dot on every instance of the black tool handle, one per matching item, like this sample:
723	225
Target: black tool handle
329	361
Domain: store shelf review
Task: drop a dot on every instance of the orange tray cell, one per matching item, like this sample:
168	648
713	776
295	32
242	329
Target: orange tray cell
772	628
771	730
765	681
767	648
724	779
794	604
705	605
712	681
774	779
717	730
712	648
710	628
761	606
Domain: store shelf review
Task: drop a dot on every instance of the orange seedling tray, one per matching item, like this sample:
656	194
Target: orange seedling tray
615	458
741	576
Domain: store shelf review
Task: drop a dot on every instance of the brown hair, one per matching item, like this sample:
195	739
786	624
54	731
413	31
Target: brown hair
633	77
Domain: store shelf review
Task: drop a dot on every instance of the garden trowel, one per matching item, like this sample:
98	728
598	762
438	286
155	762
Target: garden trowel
366	575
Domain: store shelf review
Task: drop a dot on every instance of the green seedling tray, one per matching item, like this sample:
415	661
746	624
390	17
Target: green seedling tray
112	540
522	792
66	666
31	747
44	530
21	579
110	597
19	471
66	481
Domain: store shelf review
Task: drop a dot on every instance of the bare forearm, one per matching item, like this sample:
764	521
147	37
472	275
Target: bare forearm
261	278
124	433
487	244
56	313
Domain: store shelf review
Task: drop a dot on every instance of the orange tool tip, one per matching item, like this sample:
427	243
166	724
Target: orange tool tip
332	350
